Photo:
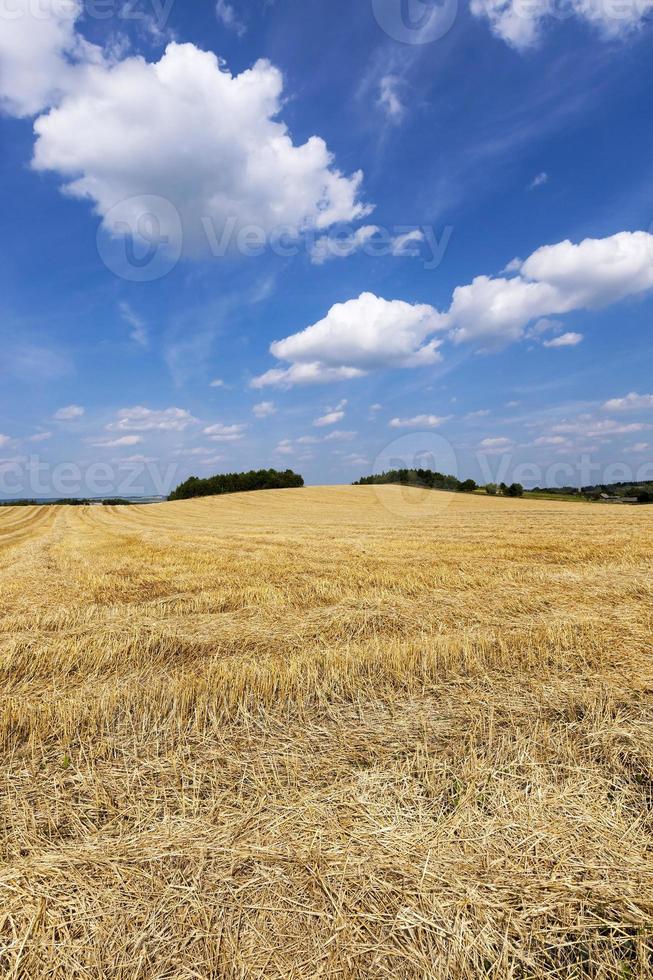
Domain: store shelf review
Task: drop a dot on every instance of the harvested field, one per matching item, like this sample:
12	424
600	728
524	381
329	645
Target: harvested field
333	732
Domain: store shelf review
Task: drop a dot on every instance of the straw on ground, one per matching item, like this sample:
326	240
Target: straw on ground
345	732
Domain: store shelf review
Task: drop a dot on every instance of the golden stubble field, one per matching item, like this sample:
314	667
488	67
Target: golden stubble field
340	732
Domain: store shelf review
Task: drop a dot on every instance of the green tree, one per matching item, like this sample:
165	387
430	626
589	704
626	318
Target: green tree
491	489
515	490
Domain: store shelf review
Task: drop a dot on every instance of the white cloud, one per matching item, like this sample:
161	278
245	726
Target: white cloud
68	413
554	279
539	180
38	51
389	98
370	333
331	418
225	433
356	337
630	402
495	445
333	415
121	441
285	448
304	374
264	410
340	435
218	383
139	330
419	421
342	246
136	459
216	155
564	340
521	24
545	325
551	441
141	419
5	440
339	246
589	427
226	13
40	437
597	271
639	447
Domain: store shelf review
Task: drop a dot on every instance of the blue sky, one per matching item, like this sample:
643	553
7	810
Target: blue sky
369	234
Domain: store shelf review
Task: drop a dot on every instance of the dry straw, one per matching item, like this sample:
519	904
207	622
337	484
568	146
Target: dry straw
305	734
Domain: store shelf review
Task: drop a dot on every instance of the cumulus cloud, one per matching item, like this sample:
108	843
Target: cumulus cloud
39	51
371	333
521	24
332	416
570	339
590	427
285	448
225	433
210	143
419	421
495	445
555	279
216	155
304	374
631	402
69	413
264	409
141	419
356	337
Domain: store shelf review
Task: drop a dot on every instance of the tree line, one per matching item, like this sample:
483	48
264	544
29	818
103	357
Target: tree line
439	481
236	483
